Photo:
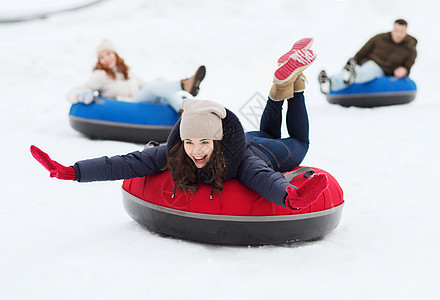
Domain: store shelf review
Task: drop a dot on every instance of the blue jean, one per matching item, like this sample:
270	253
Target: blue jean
163	91
284	153
364	73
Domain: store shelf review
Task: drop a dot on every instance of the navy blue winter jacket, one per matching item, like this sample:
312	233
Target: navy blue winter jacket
243	163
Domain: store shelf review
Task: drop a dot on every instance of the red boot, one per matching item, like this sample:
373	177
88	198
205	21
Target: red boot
297	62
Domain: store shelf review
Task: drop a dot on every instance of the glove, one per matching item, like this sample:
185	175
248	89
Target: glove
307	193
88	96
56	170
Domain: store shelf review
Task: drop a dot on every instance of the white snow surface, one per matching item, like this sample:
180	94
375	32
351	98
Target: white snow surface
65	240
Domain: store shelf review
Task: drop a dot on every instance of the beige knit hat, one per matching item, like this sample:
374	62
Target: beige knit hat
201	119
105	45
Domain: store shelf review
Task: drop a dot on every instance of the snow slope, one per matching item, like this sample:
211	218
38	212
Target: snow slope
26	10
64	240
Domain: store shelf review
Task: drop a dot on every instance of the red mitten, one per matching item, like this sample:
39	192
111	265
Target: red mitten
307	193
56	170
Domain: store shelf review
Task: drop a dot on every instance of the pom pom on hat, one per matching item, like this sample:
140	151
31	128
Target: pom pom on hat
105	45
201	119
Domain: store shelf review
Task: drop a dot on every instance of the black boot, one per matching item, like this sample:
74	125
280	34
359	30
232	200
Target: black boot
324	82
192	84
349	73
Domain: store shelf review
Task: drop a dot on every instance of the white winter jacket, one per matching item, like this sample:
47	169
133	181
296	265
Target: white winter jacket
118	88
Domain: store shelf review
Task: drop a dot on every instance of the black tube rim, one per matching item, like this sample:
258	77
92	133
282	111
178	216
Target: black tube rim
119	124
231	218
372	95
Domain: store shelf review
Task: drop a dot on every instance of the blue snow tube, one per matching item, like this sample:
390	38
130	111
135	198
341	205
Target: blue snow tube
123	121
384	91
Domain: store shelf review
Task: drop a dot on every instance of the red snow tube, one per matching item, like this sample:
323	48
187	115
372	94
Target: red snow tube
236	216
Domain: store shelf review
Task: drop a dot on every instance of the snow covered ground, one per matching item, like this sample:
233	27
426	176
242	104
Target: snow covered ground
25	10
64	240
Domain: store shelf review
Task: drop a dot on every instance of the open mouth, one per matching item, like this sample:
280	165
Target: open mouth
200	160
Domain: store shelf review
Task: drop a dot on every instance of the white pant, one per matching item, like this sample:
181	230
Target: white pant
365	73
163	91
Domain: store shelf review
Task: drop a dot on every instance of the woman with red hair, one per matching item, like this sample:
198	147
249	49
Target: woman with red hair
112	78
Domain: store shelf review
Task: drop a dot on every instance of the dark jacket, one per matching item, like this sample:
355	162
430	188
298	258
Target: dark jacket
242	163
387	54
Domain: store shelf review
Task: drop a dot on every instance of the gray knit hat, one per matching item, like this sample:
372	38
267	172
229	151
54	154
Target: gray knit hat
201	119
105	45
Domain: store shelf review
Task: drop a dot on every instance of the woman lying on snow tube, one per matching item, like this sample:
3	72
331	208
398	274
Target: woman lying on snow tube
112	79
208	146
383	91
109	119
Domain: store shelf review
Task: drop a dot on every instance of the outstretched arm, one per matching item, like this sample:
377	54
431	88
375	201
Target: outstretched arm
135	164
56	170
256	175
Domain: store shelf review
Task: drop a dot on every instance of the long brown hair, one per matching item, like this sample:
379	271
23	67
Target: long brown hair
120	64
184	171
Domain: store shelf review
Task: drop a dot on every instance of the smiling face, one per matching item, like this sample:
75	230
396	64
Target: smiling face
199	150
107	58
399	33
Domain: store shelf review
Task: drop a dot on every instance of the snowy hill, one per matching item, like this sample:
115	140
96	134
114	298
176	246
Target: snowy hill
65	240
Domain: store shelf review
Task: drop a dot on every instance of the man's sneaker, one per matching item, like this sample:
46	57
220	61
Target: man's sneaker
349	73
324	82
297	62
304	43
